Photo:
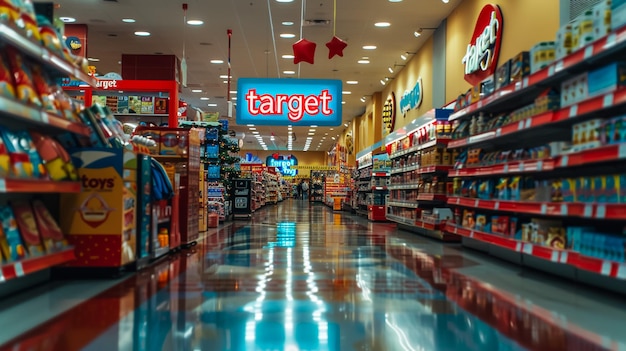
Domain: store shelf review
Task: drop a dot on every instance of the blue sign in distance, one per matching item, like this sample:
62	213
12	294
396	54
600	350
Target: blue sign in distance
283	164
281	102
412	99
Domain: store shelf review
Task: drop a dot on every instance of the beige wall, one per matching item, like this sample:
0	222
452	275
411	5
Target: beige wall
526	22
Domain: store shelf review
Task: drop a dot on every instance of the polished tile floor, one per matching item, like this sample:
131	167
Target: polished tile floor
301	277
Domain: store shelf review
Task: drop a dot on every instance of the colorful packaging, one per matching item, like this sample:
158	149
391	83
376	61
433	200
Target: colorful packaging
42	87
469	220
9	12
160	106
568	189
542	55
55	158
20	164
28	227
147	105
6	80
520	66
618	14
22	77
27	15
564	43
602	19
51	235
481	222
606	79
503	75
586	33
500	225
17	250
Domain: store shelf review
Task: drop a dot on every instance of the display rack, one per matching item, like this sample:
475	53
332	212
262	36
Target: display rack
335	193
21	116
157	90
554	204
418	185
317	186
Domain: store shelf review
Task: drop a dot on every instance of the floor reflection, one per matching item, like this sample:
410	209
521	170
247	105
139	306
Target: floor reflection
304	278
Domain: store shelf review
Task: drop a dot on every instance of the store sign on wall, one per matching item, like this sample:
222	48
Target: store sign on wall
481	56
283	164
412	99
389	114
298	102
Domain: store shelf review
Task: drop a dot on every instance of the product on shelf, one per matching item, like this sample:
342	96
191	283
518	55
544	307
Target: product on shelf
22	77
16	247
51	235
27	226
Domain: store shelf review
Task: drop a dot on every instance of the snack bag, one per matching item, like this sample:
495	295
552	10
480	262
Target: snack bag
6	80
5	161
27	17
4	247
20	165
49	36
55	158
41	81
9	12
17	249
51	235
28	228
24	88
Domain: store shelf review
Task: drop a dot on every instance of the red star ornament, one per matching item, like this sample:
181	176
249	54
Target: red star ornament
335	47
304	50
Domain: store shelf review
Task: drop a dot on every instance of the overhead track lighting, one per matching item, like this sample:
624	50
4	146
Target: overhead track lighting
419	31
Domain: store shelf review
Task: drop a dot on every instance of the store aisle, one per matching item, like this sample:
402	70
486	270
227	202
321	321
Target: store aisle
301	277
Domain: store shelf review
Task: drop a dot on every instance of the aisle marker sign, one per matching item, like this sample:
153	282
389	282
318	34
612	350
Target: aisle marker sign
280	102
481	57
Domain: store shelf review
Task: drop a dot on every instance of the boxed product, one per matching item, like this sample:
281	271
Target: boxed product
51	235
476	94
160	106
134	104
500	225
564	43
574	90
122	105
602	18
606	79
111	103
27	226
488	86
618	14
503	75
586	32
542	55
147	105
481	222
16	247
468	219
568	190
520	66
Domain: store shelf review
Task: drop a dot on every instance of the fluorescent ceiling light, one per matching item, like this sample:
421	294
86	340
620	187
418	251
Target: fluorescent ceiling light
252	128
311	133
345	92
343	102
204	98
195	22
352	82
390	69
233	98
287	23
284	0
224	81
93	59
255	132
249	125
224	76
313	126
287	35
233	91
196	90
212	105
382	82
382	24
142	33
128	20
369	47
345	124
289	72
363	99
217	61
68	19
288	56
333	138
363	62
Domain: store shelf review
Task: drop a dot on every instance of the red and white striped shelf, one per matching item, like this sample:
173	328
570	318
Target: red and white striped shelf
27	266
607	268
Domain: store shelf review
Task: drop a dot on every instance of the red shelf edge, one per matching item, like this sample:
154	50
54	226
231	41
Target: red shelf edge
34	264
40	186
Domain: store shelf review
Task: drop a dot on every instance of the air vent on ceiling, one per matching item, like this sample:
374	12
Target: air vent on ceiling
316	23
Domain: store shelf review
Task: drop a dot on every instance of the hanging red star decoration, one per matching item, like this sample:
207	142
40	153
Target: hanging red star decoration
304	50
335	47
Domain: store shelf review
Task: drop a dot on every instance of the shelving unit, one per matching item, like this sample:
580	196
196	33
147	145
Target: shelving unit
564	184
418	184
316	187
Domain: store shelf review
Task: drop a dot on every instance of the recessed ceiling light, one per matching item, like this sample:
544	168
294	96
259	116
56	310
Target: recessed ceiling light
217	61
252	128
195	22
284	0
333	138
382	24
332	128
345	92
369	47
352	82
255	133
212	105
224	76
224	81
288	56
343	102
128	20
345	125
395	0
311	134
287	23
204	98
196	90
93	59
249	125
142	34
68	19
363	62
287	35
234	98
289	72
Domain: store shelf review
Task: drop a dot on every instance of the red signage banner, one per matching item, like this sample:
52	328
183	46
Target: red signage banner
481	57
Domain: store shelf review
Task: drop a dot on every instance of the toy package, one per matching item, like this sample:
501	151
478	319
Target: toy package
27	144
28	227
51	235
20	164
469	220
55	158
9	12
500	225
27	16
17	250
25	91
42	87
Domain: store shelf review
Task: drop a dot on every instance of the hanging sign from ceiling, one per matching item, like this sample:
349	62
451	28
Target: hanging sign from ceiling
297	102
481	56
283	163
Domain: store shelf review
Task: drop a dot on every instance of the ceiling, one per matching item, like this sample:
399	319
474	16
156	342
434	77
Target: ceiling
257	48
